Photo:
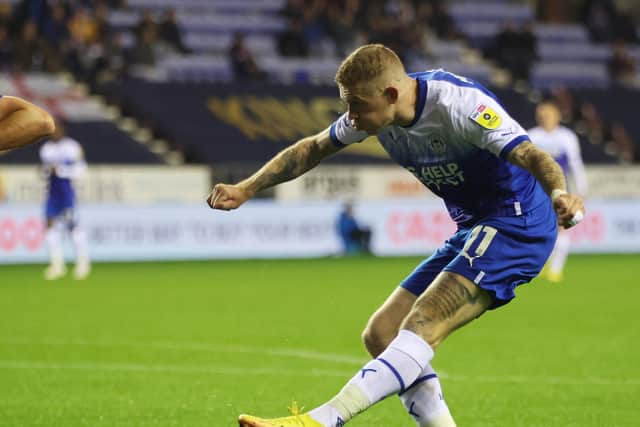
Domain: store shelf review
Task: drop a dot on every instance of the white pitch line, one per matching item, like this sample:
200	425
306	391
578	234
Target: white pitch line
181	369
187	346
523	379
279	352
226	370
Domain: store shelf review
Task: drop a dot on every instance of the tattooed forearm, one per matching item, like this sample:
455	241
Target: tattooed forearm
540	164
280	169
289	164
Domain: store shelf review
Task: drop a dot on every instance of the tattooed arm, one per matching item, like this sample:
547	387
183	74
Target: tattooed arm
549	174
290	163
541	165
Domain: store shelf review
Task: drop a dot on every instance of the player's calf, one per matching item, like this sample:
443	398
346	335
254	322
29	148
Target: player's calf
384	324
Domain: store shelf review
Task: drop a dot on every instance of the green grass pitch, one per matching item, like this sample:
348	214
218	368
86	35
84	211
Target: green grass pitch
197	343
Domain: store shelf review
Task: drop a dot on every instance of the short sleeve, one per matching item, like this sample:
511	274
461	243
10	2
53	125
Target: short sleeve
343	133
491	128
77	153
46	156
72	164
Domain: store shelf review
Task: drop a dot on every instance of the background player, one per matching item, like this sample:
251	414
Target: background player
62	161
455	137
355	237
563	145
22	123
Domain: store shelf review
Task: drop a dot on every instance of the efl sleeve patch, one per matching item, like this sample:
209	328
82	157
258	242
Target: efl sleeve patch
486	117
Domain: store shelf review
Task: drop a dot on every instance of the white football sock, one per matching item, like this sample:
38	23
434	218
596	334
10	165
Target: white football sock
560	253
394	370
80	246
425	402
54	244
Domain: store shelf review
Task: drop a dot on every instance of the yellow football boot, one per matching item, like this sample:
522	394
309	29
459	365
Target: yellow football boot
550	275
295	420
554	276
303	420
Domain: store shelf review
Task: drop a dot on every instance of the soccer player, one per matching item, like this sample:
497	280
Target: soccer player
22	123
62	161
505	194
563	145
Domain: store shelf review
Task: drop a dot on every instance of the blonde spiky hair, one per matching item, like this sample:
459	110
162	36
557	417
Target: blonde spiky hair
367	64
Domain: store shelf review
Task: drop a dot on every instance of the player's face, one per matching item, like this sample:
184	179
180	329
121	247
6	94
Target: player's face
548	116
368	110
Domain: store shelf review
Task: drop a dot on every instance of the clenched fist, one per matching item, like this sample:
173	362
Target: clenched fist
227	197
569	209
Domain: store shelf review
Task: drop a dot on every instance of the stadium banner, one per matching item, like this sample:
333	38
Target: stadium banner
264	229
353	183
190	184
614	182
331	182
419	227
179	231
114	184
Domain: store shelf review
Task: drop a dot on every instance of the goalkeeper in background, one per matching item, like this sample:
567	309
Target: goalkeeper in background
563	145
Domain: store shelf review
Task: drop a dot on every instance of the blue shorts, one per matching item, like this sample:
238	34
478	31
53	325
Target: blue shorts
496	253
57	208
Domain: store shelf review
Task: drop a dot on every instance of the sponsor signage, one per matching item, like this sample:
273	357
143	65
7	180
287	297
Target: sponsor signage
114	184
179	231
390	182
263	229
354	183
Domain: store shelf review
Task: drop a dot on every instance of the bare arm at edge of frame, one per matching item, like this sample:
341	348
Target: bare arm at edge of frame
22	123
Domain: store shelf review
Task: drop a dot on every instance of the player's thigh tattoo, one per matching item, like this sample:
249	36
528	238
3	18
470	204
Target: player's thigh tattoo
442	300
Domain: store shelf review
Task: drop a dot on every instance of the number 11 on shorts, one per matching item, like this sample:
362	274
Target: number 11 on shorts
489	234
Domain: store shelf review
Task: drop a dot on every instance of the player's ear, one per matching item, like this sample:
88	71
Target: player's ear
391	93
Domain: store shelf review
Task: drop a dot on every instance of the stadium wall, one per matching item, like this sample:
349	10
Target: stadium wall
189	184
267	229
384	182
114	184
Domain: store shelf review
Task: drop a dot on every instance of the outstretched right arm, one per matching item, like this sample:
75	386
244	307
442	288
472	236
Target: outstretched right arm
22	123
290	163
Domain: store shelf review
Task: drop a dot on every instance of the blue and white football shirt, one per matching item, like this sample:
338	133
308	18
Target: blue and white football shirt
62	162
563	145
457	146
